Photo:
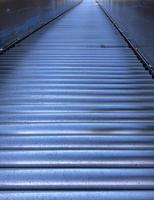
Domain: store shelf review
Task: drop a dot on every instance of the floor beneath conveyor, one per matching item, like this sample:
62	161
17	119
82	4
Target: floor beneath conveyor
76	114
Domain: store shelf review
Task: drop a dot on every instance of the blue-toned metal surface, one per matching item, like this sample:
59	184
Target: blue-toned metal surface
76	114
77	195
20	18
135	18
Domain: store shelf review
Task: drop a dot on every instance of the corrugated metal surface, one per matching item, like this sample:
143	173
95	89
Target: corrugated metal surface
77	114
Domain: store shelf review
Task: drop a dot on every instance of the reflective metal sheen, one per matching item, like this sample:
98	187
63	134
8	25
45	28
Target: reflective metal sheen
76	114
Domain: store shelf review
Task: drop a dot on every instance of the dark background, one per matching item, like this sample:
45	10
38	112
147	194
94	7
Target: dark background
20	17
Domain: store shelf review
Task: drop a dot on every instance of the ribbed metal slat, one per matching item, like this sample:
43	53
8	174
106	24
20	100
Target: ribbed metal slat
76	114
77	142
77	158
77	179
78	195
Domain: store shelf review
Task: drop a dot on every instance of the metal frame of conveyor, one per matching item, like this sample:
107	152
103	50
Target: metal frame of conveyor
136	50
19	19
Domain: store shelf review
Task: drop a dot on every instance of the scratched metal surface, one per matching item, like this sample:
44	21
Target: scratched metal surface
20	18
76	114
135	18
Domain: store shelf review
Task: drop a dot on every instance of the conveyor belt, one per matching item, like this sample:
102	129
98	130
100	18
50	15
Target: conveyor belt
76	114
